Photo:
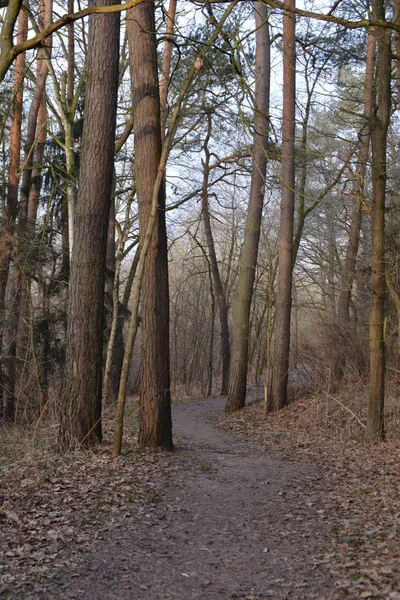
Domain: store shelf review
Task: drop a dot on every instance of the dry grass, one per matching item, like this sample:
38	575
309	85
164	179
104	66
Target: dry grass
320	418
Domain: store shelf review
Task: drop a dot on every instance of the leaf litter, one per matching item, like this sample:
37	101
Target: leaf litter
358	495
53	508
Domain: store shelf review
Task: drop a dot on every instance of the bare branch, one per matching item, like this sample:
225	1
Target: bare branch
9	51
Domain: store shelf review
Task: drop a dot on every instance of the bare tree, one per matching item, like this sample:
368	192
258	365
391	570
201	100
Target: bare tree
155	428
240	332
9	219
36	131
375	422
81	397
348	273
216	277
285	244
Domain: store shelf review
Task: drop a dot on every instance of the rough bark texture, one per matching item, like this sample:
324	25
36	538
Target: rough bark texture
375	420
216	277
285	249
155	428
81	398
240	332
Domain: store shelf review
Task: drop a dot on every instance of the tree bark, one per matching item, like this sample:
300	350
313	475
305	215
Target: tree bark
375	420
155	429
24	338
81	396
9	219
116	346
219	290
36	136
166	64
156	422
240	333
396	15
280	370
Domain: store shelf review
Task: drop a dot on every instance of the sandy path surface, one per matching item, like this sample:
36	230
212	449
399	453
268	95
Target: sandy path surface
235	522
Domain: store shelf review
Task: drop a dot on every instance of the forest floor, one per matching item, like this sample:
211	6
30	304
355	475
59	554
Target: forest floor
254	513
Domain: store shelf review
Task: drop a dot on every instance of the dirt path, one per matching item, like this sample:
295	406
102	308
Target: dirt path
235	522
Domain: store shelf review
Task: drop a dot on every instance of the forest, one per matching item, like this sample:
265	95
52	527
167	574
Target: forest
199	208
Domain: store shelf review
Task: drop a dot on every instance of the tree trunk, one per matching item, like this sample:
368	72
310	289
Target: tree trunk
396	14
81	396
358	188
24	338
219	290
166	65
155	424
280	370
375	421
7	31
34	146
8	225
155	429
71	58
240	332
116	347
20	335
349	267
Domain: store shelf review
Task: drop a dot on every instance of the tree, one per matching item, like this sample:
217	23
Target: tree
348	272
81	396
380	124
36	136
240	331
155	429
9	218
280	370
216	277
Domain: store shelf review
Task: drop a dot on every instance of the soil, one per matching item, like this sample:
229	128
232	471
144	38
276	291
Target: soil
231	521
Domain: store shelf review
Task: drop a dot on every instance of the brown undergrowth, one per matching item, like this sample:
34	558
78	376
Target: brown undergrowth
360	488
53	506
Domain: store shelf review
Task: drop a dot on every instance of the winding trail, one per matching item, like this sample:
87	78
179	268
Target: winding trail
235	522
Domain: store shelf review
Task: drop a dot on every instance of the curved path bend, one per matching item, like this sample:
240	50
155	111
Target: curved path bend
235	522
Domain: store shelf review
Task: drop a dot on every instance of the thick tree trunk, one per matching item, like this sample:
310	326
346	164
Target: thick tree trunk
155	429
240	332
375	420
81	396
219	290
280	369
